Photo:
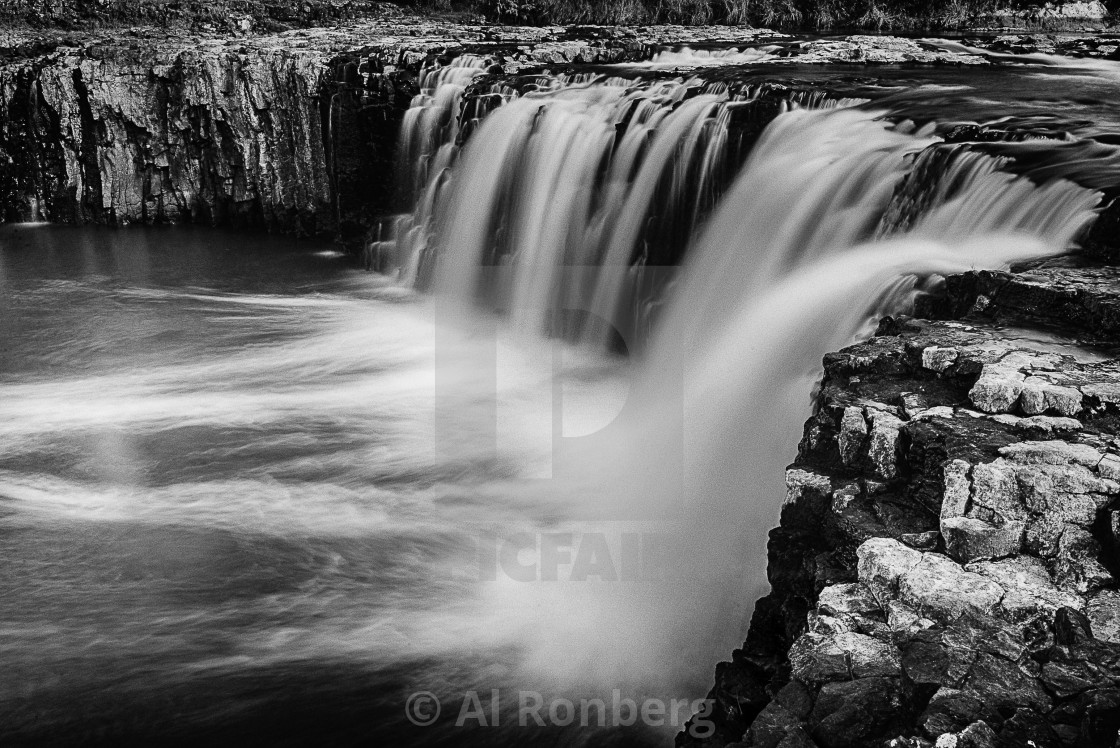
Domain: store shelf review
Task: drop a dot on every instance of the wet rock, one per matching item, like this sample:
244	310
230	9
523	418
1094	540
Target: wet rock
1083	297
879	50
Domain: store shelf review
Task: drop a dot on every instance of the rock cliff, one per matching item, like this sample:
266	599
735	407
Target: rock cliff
293	131
945	572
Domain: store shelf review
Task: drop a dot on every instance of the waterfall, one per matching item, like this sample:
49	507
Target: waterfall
431	125
564	197
574	196
822	181
576	173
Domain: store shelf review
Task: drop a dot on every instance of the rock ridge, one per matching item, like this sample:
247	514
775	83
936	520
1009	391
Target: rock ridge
945	571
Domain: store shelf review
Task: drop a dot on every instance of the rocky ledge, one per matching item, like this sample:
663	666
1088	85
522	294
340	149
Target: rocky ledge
295	130
945	573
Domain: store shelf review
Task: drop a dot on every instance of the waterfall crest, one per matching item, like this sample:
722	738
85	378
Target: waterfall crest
565	197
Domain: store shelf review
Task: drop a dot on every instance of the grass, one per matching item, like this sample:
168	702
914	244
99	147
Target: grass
822	15
876	15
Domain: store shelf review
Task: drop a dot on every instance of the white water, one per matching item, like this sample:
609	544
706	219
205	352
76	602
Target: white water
688	57
344	450
1106	69
780	276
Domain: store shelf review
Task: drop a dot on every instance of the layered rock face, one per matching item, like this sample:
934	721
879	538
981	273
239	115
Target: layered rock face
293	131
945	572
180	128
192	134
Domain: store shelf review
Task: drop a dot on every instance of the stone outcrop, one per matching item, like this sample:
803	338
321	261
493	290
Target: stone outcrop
292	131
945	572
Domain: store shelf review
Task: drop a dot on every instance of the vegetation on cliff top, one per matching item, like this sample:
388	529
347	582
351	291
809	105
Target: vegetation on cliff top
804	14
274	15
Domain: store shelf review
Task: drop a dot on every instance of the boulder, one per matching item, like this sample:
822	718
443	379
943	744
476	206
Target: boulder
883	443
1040	396
1103	610
1028	590
1075	566
968	539
853	434
882	562
939	359
998	389
938	588
856	713
847	599
801	482
817	658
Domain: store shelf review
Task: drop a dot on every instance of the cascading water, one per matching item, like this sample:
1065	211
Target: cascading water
585	175
432	123
584	172
580	175
780	275
332	528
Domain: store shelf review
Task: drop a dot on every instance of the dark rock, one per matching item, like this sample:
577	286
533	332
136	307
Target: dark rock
1004	684
951	710
1028	727
856	712
922	541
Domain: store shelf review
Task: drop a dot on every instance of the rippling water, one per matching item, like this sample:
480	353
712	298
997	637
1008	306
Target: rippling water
221	511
